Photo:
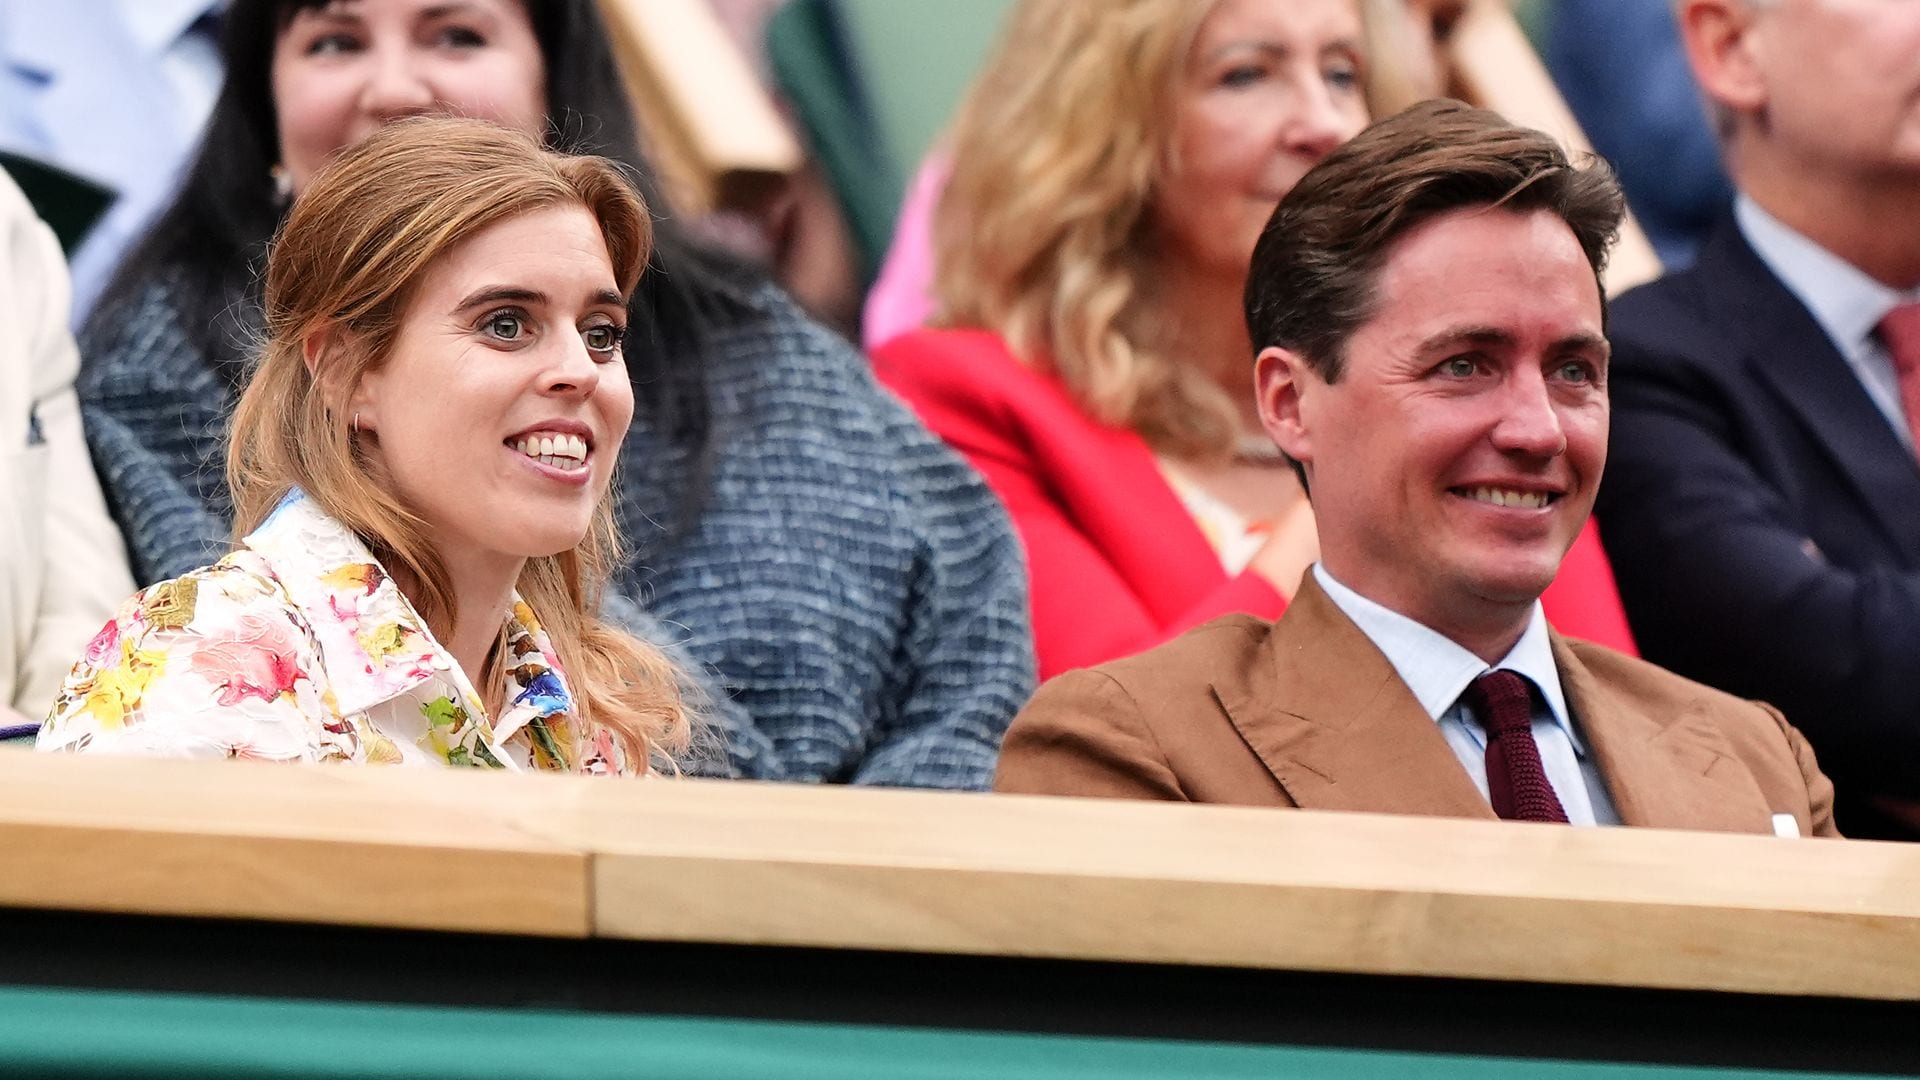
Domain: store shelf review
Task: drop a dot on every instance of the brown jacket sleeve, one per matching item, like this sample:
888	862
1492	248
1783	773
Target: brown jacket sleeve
1819	788
1083	734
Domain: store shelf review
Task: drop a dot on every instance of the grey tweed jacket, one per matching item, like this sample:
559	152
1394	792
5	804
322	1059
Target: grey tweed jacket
852	593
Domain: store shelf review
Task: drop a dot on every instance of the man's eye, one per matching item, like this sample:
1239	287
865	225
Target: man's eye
1459	367
506	325
1576	371
604	337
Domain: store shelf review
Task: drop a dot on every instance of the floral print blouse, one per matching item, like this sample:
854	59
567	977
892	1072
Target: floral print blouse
298	647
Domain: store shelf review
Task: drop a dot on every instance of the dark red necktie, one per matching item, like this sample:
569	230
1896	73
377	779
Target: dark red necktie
1900	332
1516	783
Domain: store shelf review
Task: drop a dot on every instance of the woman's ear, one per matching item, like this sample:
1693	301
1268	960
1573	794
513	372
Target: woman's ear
323	351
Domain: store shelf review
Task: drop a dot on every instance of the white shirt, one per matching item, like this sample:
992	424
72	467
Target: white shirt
1843	299
116	91
190	62
1438	670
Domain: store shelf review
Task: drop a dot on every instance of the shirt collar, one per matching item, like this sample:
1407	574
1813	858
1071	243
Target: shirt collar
1437	669
376	644
1846	302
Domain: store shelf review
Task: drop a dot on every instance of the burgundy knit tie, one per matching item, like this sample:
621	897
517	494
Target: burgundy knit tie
1900	331
1516	783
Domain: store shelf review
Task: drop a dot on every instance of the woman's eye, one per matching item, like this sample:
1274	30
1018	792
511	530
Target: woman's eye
460	37
1244	75
506	326
1342	76
603	338
331	45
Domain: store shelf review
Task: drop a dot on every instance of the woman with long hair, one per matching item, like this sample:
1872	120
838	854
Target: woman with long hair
420	467
1112	168
846	589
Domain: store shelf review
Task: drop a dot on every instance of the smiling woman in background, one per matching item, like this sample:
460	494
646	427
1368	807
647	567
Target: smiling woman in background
421	466
846	588
1112	169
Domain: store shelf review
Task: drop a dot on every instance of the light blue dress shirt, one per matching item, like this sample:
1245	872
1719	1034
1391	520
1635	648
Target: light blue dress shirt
1844	300
113	90
1438	670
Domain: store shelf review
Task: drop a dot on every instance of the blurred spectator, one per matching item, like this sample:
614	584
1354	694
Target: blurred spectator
115	91
63	568
902	297
1763	500
1112	170
1101	381
852	586
1620	65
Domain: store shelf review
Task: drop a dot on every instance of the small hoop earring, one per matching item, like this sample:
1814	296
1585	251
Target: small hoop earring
354	426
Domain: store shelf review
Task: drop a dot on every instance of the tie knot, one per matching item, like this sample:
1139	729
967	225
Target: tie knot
1502	702
1900	330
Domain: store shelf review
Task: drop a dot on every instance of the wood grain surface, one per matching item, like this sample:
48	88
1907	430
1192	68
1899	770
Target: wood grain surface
740	863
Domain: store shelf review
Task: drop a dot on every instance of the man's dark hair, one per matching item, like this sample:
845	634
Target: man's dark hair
1312	281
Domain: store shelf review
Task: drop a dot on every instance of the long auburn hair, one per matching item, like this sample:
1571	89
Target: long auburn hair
1041	232
345	263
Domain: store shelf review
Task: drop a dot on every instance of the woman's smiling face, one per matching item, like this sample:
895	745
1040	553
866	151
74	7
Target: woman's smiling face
498	412
1269	88
343	69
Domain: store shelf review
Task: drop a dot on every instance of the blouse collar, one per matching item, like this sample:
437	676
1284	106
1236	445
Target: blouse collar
376	645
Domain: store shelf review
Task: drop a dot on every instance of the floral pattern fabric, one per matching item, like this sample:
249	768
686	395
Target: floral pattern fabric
298	647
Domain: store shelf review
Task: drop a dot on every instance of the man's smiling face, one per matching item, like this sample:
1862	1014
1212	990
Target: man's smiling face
1456	457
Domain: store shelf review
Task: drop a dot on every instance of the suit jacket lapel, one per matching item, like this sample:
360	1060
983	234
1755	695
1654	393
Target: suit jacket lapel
1328	716
1787	349
1675	772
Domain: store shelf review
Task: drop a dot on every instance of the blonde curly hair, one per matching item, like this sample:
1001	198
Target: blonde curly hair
1040	234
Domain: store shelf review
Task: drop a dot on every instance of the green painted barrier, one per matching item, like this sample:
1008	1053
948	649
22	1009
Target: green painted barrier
73	1033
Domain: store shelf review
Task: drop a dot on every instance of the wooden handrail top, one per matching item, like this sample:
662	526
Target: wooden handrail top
742	863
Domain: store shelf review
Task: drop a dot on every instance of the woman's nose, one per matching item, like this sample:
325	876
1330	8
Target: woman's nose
396	88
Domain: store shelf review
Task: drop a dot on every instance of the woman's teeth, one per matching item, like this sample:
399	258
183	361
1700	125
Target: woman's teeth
568	452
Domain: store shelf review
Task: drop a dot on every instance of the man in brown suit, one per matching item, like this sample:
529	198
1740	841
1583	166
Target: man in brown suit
1428	310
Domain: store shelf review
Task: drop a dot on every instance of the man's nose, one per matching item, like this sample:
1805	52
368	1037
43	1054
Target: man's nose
1529	421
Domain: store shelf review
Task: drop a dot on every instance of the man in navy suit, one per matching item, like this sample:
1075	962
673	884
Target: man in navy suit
1762	503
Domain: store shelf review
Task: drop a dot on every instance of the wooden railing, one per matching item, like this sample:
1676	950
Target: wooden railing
737	863
713	131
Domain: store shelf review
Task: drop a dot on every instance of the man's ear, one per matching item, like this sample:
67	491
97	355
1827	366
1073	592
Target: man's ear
1281	380
1721	46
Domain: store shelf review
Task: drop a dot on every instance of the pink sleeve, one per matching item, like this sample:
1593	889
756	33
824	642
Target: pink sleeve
902	296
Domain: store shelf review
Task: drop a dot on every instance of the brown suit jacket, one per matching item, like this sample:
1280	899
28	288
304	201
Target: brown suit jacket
1307	712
